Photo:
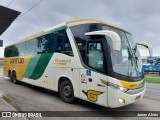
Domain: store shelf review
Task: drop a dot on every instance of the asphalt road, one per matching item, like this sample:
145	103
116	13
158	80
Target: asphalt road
31	98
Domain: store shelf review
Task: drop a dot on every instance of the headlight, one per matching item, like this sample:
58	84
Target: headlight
117	87
123	89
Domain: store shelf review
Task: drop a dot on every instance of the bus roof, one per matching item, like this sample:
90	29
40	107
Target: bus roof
89	20
65	24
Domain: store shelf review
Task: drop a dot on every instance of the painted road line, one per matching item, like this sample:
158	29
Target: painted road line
10	103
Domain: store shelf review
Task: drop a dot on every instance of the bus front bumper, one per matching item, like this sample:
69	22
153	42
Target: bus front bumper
117	98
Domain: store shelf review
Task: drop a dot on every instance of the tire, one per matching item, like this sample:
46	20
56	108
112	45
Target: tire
10	76
67	92
14	78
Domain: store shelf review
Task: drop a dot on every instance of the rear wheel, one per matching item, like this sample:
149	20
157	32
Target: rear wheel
10	76
14	78
67	92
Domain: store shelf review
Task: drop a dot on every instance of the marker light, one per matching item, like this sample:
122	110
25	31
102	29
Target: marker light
121	100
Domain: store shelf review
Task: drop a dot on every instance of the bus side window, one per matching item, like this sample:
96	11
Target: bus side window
30	47
42	45
60	43
54	42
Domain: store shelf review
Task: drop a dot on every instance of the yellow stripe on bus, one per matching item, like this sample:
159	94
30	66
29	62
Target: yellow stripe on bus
19	64
132	85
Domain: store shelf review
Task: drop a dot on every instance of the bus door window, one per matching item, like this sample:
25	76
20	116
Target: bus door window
95	56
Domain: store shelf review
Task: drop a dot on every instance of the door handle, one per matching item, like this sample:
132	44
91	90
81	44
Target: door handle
90	79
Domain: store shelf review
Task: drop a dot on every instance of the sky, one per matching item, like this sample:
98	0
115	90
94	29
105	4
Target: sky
139	17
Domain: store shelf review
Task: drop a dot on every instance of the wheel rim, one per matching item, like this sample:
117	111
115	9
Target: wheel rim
67	91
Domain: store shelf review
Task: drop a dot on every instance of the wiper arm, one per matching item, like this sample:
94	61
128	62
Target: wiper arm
130	56
135	56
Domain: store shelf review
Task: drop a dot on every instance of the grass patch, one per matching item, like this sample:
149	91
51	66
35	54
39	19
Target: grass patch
152	79
1	66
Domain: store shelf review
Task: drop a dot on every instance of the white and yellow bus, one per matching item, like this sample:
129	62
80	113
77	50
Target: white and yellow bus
85	58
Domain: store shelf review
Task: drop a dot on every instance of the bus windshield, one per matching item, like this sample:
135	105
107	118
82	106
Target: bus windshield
127	61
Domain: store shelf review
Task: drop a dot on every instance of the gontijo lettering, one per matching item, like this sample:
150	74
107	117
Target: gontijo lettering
17	60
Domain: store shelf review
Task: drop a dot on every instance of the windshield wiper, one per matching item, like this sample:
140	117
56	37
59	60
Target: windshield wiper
136	61
130	57
135	56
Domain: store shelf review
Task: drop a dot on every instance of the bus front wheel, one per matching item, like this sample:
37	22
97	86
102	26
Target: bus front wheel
14	78
67	92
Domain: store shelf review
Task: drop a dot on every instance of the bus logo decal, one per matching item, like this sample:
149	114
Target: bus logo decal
62	62
92	95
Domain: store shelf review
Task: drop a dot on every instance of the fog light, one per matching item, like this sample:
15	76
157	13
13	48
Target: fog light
121	100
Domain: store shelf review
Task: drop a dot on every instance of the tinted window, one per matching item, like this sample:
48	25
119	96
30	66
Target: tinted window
11	51
53	42
21	48
81	40
95	56
78	32
43	45
60	43
31	47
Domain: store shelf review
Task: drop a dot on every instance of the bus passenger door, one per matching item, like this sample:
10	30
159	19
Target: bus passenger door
96	77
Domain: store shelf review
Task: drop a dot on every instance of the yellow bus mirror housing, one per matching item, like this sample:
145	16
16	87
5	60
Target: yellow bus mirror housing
116	40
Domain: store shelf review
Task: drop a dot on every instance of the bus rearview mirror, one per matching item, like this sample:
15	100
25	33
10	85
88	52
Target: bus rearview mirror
116	40
148	46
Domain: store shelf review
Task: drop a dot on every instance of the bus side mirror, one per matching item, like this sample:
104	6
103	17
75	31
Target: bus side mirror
145	45
116	40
